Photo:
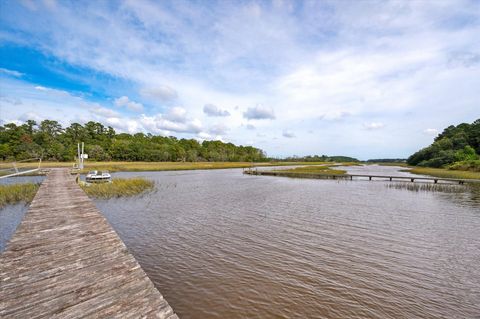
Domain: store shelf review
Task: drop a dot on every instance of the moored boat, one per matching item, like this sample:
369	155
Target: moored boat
98	177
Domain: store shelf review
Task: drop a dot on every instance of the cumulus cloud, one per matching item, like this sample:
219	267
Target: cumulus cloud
373	125
159	123
219	129
430	131
213	110
124	124
259	112
288	134
176	114
162	93
30	116
103	111
202	136
124	101
11	72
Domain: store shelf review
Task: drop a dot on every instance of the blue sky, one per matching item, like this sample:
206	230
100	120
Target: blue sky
362	78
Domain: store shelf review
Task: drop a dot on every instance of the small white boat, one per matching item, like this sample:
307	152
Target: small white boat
98	177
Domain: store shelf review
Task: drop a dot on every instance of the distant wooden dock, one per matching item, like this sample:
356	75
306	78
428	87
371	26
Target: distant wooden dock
359	176
66	261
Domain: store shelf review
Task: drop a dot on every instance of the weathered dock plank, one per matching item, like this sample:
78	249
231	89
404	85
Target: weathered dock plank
66	261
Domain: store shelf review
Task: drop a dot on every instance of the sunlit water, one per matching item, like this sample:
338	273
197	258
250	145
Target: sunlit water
219	244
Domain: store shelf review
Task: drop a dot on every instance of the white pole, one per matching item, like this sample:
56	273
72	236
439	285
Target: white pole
78	154
81	167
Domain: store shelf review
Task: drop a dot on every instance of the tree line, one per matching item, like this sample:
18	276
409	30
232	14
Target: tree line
455	146
318	158
50	141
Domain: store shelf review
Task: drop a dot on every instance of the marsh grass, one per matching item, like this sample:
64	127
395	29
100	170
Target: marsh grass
401	164
428	187
315	169
16	193
445	173
160	166
119	187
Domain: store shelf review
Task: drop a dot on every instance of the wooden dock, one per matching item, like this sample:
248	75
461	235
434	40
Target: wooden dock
360	176
66	261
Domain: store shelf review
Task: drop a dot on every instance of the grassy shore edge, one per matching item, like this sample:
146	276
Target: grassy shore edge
119	187
11	194
443	172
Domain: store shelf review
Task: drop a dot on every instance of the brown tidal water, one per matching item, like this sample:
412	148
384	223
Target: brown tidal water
219	244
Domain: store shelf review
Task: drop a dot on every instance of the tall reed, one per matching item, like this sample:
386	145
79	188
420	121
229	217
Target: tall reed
16	193
428	187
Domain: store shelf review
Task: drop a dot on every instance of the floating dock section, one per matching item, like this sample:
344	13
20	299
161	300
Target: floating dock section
66	261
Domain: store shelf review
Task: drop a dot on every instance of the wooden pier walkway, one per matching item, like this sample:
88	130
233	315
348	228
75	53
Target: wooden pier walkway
359	176
66	261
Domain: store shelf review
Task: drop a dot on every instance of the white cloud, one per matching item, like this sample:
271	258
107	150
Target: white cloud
288	134
11	72
431	131
158	123
53	92
104	112
162	93
30	116
124	101
259	112
124	125
373	125
213	110
219	129
176	114
202	136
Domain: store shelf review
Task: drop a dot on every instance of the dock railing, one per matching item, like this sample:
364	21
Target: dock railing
16	168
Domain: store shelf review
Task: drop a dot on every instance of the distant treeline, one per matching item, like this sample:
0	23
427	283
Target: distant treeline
51	141
323	158
456	147
387	160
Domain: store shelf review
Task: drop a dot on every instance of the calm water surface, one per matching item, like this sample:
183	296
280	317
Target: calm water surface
11	216
219	244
